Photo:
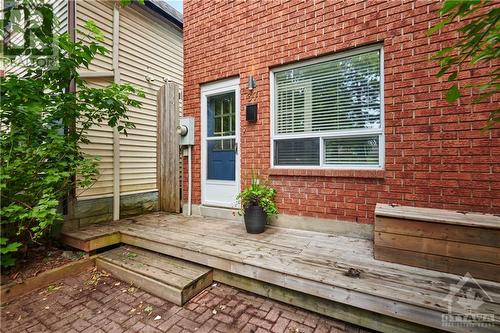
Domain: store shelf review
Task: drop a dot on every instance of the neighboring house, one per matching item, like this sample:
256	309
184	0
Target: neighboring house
148	47
349	111
145	50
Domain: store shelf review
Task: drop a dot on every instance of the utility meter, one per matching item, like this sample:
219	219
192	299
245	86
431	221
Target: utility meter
186	131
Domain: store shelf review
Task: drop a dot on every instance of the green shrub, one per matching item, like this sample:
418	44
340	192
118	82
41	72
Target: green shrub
41	160
258	194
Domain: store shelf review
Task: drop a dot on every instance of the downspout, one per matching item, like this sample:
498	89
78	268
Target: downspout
116	134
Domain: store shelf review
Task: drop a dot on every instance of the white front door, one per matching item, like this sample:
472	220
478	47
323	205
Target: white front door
220	162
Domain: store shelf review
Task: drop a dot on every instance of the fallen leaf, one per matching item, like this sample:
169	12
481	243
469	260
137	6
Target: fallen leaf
131	255
148	309
157	318
53	287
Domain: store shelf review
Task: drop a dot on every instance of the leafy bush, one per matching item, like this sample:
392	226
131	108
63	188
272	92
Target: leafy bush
258	194
43	125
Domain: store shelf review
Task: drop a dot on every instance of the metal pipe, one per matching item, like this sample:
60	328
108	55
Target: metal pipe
189	180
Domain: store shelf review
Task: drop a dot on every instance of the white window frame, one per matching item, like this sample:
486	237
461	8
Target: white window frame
331	134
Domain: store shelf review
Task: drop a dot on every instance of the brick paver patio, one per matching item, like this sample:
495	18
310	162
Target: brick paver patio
93	302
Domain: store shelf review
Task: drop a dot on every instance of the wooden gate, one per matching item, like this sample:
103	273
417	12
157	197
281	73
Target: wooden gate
168	156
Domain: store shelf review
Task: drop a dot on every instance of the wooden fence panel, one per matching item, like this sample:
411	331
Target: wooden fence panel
168	159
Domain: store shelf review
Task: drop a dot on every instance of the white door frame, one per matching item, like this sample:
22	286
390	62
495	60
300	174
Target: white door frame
207	90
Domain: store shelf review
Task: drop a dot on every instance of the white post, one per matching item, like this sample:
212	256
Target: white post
116	135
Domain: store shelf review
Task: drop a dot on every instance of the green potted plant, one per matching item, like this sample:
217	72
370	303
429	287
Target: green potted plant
257	206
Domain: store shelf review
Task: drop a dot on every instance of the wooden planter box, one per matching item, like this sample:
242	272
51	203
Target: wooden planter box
441	240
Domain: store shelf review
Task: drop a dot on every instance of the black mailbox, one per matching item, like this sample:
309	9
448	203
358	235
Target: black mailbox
252	113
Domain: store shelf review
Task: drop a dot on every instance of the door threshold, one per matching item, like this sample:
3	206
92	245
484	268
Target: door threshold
215	212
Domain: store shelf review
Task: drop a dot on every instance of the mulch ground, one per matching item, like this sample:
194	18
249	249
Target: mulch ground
38	260
97	302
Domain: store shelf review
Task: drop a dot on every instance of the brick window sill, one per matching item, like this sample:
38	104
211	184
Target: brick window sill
328	173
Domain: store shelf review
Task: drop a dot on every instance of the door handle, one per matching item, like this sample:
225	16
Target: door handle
236	147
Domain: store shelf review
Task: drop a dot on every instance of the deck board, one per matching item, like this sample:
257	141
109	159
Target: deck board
299	260
439	215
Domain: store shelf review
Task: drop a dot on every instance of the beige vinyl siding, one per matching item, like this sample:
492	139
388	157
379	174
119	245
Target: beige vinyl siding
101	145
101	137
60	10
101	12
149	46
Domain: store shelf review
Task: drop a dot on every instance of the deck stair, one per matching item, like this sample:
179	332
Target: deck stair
169	278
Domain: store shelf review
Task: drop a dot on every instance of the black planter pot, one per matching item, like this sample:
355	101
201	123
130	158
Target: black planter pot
255	219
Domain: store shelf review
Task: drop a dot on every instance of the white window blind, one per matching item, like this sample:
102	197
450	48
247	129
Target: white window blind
356	150
338	101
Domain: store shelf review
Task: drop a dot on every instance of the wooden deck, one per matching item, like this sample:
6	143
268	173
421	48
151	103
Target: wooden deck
316	264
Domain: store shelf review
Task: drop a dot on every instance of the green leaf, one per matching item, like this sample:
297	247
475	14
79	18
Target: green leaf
449	5
453	94
92	27
443	52
453	76
440	25
125	3
442	71
11	247
7	260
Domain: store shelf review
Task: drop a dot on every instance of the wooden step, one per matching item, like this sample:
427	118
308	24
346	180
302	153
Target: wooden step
169	278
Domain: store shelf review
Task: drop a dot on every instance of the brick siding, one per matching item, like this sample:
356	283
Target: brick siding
435	153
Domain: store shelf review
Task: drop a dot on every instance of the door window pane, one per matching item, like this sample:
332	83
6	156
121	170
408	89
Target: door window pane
221	115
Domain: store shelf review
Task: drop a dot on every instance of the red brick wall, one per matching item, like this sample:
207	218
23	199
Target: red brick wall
436	155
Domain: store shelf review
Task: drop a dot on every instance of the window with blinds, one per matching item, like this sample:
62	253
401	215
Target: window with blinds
328	112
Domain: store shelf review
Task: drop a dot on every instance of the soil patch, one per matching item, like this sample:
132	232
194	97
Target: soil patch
38	260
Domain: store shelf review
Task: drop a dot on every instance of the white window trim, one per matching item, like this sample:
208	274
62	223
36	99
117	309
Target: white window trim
329	134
